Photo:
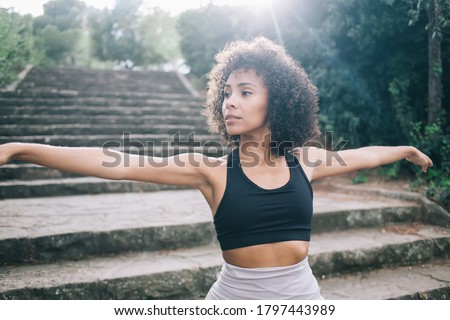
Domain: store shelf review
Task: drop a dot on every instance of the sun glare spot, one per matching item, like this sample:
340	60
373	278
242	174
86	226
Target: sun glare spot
250	3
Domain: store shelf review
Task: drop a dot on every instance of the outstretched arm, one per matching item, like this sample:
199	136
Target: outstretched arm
326	163
182	169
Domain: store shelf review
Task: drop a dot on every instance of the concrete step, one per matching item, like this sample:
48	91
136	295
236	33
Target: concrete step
96	78
30	105
79	75
14	189
28	171
70	97
359	250
126	112
89	83
89	90
188	274
40	230
179	274
427	281
105	79
100	129
109	89
51	71
105	115
119	139
123	119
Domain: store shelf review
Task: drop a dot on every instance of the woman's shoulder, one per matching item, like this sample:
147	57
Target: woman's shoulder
210	165
306	153
308	157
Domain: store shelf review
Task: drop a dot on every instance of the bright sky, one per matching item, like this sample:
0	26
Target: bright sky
35	8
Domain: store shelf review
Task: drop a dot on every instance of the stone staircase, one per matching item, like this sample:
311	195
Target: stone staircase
140	112
69	237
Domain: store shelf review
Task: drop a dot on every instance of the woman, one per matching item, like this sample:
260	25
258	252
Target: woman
260	194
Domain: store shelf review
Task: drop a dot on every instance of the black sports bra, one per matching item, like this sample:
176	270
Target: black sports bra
249	215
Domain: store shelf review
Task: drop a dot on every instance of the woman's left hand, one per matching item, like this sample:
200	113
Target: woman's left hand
421	159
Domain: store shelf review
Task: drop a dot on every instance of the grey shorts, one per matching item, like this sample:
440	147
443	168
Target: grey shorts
295	282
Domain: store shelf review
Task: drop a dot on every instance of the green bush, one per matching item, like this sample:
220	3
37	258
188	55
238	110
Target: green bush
17	45
57	45
434	140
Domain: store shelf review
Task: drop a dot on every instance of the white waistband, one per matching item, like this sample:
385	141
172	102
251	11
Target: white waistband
263	273
273	283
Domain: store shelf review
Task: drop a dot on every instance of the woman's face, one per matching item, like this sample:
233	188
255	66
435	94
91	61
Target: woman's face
245	104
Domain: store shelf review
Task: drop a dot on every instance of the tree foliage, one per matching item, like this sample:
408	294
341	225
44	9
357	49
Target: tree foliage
205	31
64	14
70	33
114	33
16	49
160	39
368	60
377	56
123	35
59	45
59	30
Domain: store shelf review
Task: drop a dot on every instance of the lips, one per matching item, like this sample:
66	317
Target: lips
231	117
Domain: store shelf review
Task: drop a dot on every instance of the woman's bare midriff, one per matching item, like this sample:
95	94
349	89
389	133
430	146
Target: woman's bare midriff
279	254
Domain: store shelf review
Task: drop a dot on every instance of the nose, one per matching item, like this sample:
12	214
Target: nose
230	103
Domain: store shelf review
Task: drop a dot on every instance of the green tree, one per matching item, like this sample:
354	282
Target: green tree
125	36
435	20
372	50
17	46
438	14
115	33
160	39
205	31
59	45
59	30
64	14
432	133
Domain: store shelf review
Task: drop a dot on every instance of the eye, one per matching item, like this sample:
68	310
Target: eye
226	95
246	93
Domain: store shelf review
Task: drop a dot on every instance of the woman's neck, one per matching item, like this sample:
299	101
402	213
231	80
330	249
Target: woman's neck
254	152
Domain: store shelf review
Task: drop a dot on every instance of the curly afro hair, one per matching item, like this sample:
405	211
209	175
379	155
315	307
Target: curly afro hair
293	102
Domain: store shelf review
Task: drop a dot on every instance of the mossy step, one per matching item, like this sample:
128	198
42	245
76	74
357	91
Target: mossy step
153	100
100	129
13	189
123	119
49	229
70	97
120	139
420	282
188	274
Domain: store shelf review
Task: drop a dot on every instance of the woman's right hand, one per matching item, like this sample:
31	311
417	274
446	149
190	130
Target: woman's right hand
6	153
